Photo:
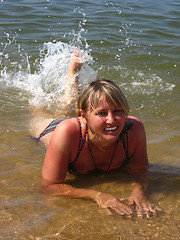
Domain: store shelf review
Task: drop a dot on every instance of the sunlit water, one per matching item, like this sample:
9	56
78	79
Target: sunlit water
134	43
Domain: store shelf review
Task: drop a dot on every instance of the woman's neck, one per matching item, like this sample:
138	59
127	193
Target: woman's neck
99	143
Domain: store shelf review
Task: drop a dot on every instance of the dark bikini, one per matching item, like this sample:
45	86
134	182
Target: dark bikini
71	168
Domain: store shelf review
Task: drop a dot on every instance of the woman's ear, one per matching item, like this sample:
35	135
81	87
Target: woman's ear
83	116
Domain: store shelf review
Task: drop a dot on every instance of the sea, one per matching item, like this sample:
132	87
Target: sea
135	43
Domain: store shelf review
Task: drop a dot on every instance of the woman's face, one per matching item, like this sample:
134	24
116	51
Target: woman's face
105	122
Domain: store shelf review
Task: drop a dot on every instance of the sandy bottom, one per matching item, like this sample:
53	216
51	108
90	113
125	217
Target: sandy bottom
25	213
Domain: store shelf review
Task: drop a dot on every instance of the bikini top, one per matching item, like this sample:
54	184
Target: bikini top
123	137
71	168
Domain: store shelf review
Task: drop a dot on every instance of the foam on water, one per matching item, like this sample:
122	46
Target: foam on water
47	81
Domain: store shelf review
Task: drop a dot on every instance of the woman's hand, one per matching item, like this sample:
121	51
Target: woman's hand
110	204
142	205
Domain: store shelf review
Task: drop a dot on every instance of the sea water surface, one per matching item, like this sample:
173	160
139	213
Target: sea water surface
134	43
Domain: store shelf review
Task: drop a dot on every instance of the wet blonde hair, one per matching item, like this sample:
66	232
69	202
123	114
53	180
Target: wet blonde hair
93	91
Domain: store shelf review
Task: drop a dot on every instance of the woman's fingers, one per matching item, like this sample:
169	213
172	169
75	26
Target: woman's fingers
139	211
147	209
111	204
124	208
120	209
108	211
122	212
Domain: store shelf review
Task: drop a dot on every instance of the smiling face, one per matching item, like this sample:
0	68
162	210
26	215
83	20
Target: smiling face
105	122
104	108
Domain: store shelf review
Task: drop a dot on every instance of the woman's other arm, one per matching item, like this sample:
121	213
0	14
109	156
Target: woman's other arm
138	168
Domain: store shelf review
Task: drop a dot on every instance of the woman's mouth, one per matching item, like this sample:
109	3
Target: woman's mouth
111	129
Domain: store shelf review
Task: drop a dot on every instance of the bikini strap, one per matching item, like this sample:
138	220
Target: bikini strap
71	167
124	140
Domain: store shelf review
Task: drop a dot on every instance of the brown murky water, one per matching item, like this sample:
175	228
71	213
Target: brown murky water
28	214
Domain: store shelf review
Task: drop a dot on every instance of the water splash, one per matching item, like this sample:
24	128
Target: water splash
46	83
43	78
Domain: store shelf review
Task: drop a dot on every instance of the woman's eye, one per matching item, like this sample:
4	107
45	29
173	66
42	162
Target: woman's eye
118	111
102	113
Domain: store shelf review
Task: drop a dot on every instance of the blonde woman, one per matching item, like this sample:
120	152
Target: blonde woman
102	137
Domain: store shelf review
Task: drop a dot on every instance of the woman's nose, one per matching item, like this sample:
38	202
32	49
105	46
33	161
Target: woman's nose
110	118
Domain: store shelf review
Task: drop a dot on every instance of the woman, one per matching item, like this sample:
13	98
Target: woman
103	137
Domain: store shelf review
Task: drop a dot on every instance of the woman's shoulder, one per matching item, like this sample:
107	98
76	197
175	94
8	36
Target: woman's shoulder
136	125
134	122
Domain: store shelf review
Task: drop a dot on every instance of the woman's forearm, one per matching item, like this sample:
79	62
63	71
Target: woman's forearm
141	182
68	191
104	200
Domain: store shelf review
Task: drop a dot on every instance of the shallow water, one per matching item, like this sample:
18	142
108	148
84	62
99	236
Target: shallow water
135	44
